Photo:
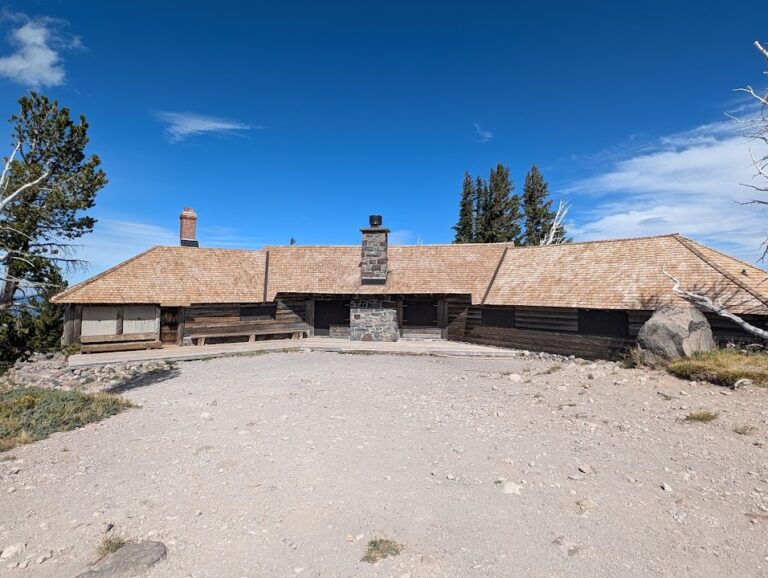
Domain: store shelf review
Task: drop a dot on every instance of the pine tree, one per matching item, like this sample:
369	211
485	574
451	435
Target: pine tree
537	205
503	217
465	227
483	216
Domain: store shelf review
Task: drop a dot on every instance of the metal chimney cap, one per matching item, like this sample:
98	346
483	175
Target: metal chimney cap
375	220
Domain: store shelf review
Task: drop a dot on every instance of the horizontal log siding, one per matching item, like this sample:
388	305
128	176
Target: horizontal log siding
213	320
726	331
553	330
457	316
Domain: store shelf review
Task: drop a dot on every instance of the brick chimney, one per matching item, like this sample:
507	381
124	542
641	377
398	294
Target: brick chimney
373	265
188	228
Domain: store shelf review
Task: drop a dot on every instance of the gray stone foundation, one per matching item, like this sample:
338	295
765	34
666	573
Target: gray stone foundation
373	320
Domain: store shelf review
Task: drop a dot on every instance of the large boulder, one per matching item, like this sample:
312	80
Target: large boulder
674	332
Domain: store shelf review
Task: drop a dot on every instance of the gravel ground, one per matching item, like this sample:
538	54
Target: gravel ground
289	463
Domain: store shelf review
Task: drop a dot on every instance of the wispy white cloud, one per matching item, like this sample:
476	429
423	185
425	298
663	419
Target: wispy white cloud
482	135
36	60
402	237
691	183
182	125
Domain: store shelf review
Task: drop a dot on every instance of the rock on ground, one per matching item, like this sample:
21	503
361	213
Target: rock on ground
130	561
674	332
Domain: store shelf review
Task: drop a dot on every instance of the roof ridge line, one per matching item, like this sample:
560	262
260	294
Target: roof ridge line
684	242
98	276
495	274
719	252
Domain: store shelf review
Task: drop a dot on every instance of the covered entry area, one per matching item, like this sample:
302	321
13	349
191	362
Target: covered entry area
331	317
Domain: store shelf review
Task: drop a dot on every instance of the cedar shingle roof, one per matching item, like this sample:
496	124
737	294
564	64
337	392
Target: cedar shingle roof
626	274
412	269
176	276
621	274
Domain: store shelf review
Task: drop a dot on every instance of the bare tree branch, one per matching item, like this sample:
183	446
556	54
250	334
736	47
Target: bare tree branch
4	202
761	48
706	303
557	224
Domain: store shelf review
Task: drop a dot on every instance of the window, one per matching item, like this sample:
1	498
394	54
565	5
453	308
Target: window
498	317
258	312
604	323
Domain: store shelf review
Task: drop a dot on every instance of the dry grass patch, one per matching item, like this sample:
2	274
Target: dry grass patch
703	416
381	548
111	543
723	367
30	414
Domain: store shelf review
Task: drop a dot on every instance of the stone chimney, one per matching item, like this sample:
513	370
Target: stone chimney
373	265
188	228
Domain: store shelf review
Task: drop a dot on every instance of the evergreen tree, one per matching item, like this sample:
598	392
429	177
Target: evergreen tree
503	217
537	205
56	183
39	225
483	216
465	227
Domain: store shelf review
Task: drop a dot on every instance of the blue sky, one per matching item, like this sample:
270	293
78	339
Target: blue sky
298	119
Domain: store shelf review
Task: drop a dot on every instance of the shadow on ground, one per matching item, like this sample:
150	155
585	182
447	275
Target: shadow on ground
144	380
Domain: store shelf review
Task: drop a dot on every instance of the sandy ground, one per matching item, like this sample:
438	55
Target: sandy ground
287	464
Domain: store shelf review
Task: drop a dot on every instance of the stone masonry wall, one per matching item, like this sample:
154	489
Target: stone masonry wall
373	320
373	264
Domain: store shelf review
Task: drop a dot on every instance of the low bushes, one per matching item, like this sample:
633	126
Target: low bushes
723	367
29	414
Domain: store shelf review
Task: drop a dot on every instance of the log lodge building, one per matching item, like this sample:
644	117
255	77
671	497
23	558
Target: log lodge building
587	299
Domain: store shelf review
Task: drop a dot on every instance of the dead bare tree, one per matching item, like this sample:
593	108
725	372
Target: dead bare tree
756	129
715	307
551	238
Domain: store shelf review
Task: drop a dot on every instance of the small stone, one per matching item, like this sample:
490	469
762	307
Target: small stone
11	490
576	477
586	469
42	558
510	488
450	477
206	416
12	551
515	377
666	487
585	504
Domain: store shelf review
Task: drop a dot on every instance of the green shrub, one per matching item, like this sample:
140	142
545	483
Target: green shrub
381	548
703	416
723	367
29	414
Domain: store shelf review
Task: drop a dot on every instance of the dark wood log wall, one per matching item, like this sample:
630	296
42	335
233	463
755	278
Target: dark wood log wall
553	330
457	315
556	330
225	320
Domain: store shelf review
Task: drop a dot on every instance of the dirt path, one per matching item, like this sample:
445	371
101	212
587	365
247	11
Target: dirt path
287	464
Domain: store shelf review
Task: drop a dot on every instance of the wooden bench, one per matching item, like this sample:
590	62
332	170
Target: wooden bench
251	334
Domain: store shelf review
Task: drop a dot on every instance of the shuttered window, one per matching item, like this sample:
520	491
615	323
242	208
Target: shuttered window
498	317
604	323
